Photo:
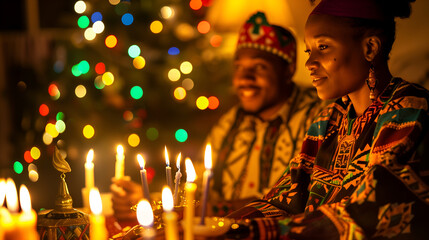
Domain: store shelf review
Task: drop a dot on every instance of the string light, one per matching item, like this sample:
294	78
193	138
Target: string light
167	12
98	27
83	22
174	74
35	153
44	110
181	135
186	67
111	41
108	78
96	16
173	51
134	51
100	68
133	140
17	167
27	157
156	27
127	19
139	62
188	84
89	34
136	92
202	103
179	93
88	131
195	4
80	7
213	102
203	27
80	91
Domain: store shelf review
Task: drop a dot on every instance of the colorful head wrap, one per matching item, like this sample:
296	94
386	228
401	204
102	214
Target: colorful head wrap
366	9
258	33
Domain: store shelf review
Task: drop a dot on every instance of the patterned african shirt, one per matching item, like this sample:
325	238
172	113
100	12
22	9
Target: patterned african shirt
356	177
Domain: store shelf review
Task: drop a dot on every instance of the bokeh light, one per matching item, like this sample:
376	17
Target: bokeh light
54	92
139	62
134	51
179	93
184	32
173	51
35	153
181	135
80	7
98	82
17	167
60	125
216	40
127	19
133	140
100	68
203	27
59	116
33	175
44	110
152	133
47	138
202	102
188	84
51	130
27	157
174	74
83	67
58	66
111	41
96	16
128	115
136	92
167	12
89	34
83	22
75	71
108	78
88	131
80	91
156	26
98	27
114	2
195	4
213	102
186	67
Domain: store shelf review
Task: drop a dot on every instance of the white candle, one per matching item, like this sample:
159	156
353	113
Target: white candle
206	180
89	170
97	222
168	169
145	219
119	166
2	191
177	181
190	188
26	225
169	216
145	185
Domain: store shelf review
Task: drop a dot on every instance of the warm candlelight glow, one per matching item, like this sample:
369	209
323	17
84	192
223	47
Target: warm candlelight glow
120	150
167	199
24	199
2	191
208	157
11	196
95	201
178	160
167	160
90	156
190	171
144	213
141	161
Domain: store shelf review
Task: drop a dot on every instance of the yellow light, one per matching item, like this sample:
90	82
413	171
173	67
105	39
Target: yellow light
90	156
89	34
141	161
80	91
179	93
111	41
33	175
144	213
108	78
188	84
2	191
114	2
11	196
139	62
184	32
167	12
88	131
208	157
133	140
35	153
167	199
80	7
51	130
156	27
120	150
167	159
202	103
95	201
47	138
190	171
186	67
24	199
174	74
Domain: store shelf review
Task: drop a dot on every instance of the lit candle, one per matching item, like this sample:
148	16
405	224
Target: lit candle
206	180
119	166
169	216
168	169
143	176
26	226
145	219
2	191
97	225
177	181
89	170
190	188
11	196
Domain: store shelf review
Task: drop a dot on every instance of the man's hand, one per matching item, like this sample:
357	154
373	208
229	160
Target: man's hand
125	194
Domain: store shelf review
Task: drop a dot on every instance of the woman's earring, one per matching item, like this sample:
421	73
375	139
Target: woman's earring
371	81
345	99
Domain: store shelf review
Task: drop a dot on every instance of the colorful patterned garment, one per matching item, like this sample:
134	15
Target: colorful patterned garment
356	178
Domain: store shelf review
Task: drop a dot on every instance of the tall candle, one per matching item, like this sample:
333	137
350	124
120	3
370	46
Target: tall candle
145	219
190	188
2	191
145	185
26	225
89	170
177	181
168	169
119	166
97	222
169	216
206	180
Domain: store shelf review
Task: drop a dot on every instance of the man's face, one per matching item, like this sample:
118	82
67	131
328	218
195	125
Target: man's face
259	80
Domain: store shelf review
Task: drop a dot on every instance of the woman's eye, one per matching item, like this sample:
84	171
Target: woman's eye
323	47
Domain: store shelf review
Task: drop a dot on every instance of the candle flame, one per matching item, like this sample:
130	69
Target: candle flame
120	150
144	213
208	157
24	198
167	199
178	160
141	160
11	196
2	191
190	171
90	156
167	160
95	201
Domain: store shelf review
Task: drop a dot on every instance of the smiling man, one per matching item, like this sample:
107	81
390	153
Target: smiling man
254	141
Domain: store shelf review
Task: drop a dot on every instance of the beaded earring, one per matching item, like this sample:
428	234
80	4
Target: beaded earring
345	99
371	81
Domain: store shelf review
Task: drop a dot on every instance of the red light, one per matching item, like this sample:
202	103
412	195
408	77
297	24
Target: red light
150	174
203	27
44	110
213	102
27	157
53	90
100	68
195	4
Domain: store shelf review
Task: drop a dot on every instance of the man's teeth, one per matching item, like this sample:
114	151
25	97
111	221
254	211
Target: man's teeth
248	93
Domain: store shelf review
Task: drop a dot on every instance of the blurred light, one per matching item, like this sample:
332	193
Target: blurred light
133	140
88	131
100	68
51	130
213	102
203	27
156	27
128	116
47	138
98	27
83	22
134	51
27	157
58	66
188	84
186	67
60	116
173	51
75	71
127	19
181	135
98	82
152	134
33	175
114	2
174	74
184	32
216	40
35	153
108	78
60	125
80	7
136	92
96	16
167	12
111	41
89	34
139	62
179	93
80	91
195	4
83	67
53	91
32	166
44	110
17	167
202	102
207	3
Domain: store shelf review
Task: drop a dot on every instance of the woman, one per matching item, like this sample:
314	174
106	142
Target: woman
359	175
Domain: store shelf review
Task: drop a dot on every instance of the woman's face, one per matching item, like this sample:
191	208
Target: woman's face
336	57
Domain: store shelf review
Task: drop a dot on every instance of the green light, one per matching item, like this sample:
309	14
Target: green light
17	167
75	71
83	67
152	134
134	51
181	135
60	116
136	92
98	82
83	22
60	126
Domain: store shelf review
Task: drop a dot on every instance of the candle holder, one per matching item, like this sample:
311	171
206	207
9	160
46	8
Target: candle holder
212	227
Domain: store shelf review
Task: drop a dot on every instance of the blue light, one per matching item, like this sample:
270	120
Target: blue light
127	19
96	17
58	66
173	51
